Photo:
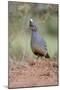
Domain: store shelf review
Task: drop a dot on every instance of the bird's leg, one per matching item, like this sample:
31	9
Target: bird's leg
37	57
43	57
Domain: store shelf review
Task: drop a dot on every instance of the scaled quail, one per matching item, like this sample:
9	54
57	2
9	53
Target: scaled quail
38	45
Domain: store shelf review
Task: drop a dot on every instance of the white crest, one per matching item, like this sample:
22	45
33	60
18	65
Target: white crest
31	20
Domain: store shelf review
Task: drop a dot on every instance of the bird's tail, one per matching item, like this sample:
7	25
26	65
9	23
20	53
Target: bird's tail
47	55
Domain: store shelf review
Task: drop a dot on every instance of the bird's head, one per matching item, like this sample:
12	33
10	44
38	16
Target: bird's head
32	25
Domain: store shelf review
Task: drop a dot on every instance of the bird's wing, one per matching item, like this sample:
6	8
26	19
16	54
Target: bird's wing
40	41
43	43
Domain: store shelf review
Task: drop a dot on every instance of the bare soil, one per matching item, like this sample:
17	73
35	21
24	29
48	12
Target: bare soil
33	73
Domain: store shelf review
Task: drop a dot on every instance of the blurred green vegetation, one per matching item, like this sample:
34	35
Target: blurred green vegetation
46	18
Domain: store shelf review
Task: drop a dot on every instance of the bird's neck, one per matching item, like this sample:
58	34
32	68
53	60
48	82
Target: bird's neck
34	29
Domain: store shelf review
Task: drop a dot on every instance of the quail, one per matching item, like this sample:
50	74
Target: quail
38	45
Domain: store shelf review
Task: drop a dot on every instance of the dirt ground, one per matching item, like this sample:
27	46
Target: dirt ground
33	73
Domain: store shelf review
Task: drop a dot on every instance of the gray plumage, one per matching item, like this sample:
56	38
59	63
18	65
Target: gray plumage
38	44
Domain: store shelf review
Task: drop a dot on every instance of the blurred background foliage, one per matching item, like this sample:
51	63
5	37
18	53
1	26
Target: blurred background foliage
46	18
